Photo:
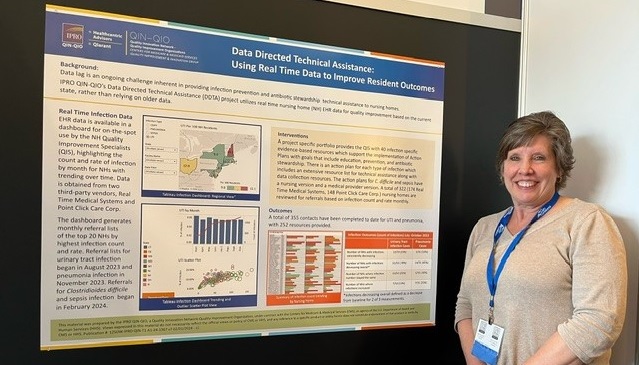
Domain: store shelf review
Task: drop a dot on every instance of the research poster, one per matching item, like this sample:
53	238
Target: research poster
200	184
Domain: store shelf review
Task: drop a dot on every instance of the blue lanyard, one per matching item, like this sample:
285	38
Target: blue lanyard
492	276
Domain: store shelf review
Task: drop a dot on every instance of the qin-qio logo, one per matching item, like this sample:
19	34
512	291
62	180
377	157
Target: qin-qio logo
72	35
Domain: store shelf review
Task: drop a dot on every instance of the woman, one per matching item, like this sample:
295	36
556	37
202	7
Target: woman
545	280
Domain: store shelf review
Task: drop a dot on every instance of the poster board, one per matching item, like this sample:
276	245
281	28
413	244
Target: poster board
200	184
481	92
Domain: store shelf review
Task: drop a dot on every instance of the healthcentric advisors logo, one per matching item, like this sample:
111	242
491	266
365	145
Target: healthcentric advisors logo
72	35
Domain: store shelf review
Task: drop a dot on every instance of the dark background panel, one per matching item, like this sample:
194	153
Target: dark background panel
481	95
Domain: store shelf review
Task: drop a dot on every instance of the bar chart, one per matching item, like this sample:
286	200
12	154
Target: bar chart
213	230
198	251
304	267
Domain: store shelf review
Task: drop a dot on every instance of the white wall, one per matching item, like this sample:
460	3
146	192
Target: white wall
580	59
458	11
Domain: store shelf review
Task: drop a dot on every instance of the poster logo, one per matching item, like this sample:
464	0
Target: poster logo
72	35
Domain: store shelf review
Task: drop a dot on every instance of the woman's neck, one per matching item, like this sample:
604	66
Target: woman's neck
523	215
520	218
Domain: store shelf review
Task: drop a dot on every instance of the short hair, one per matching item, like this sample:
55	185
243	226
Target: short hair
523	130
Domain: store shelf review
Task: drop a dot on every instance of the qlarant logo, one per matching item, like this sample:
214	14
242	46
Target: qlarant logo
72	35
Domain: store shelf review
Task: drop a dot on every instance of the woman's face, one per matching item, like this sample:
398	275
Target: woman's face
530	173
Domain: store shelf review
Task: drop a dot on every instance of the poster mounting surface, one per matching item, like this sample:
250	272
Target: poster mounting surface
200	184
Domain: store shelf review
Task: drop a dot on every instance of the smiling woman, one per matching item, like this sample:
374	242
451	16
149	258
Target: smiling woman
545	251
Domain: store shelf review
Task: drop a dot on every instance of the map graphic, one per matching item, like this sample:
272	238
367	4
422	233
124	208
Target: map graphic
201	156
214	161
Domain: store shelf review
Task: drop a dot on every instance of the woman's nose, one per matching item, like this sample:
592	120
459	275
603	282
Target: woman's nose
525	167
